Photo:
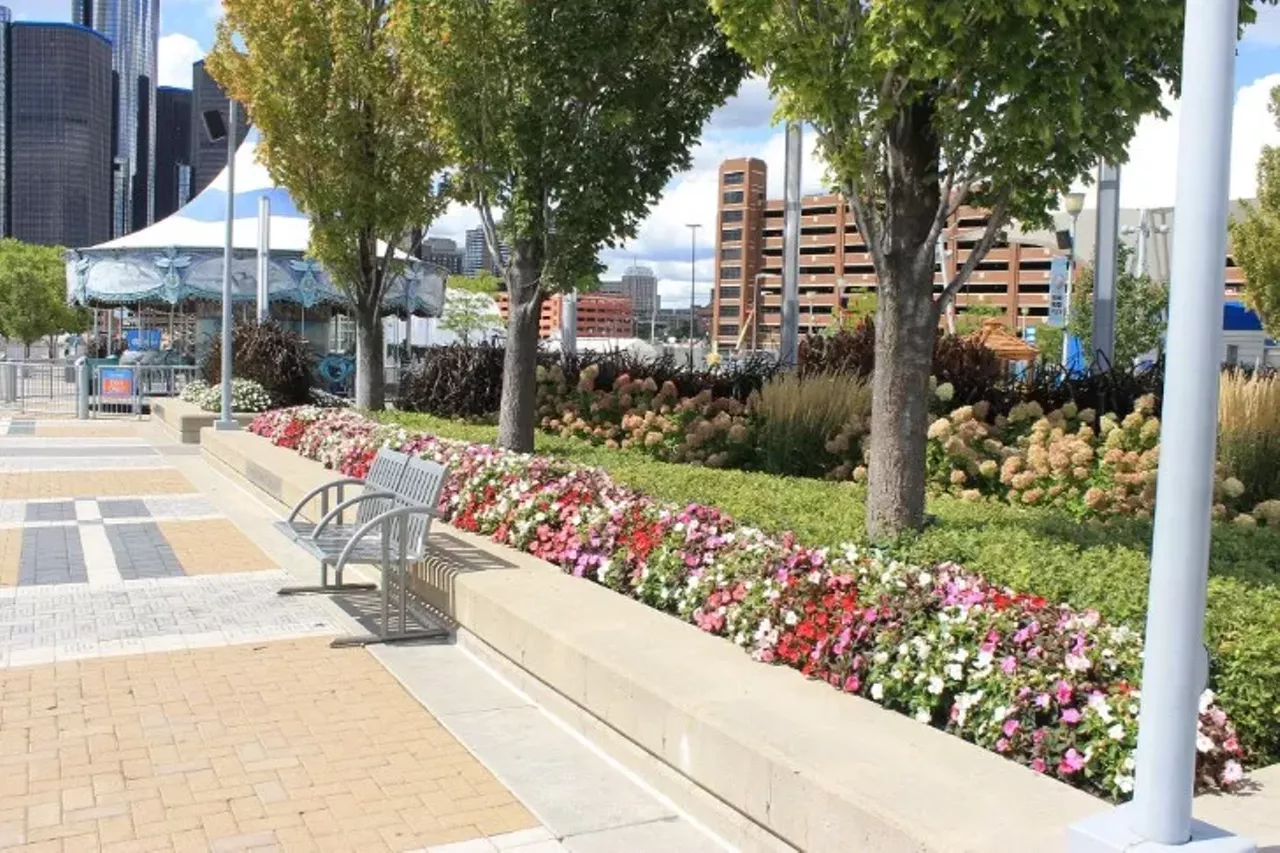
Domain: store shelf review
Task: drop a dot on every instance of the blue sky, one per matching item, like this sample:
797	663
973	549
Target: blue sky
743	127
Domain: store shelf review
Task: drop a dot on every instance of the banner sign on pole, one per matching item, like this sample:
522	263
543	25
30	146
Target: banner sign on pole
116	382
1058	292
142	339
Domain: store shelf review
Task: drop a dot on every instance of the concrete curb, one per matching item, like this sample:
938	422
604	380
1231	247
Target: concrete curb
820	770
183	421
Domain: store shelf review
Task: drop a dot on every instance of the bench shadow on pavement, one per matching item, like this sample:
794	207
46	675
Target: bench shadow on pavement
431	586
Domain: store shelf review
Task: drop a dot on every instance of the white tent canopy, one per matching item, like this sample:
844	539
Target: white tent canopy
181	256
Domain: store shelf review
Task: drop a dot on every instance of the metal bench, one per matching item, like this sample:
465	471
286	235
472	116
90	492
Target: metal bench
375	498
392	540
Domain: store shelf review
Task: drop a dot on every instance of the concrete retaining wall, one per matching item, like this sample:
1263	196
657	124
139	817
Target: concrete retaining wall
818	769
183	420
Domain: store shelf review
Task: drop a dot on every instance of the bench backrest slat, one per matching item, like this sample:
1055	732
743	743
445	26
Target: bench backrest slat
420	486
385	475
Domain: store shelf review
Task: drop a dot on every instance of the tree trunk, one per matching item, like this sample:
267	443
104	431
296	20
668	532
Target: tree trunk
906	323
370	355
517	416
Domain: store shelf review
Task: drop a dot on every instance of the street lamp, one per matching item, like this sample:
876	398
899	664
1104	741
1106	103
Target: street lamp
693	318
1173	665
218	130
756	309
1072	203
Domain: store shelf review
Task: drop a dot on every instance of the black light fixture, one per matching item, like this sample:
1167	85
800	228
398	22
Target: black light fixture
215	125
1064	240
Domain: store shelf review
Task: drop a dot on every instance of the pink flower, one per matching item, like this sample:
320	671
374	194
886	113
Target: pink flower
851	684
1231	745
1038	736
1009	727
1062	691
1042	701
1008	665
1038	765
1072	762
1071	716
1002	745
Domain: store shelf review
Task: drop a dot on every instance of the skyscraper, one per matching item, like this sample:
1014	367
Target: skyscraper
133	30
173	148
58	134
476	257
5	18
207	156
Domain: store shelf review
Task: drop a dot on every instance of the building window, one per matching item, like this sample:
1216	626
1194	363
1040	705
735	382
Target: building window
731	178
1233	354
733	197
728	330
734	254
728	310
731	216
730	273
730	292
732	235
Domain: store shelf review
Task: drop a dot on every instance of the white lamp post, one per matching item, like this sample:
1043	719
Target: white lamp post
217	130
1173	670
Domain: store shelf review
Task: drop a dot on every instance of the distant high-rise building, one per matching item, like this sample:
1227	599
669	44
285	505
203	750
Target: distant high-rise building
208	157
59	134
641	285
476	256
442	252
132	28
173	149
5	18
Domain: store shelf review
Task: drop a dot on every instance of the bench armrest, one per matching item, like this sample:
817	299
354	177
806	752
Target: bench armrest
347	504
320	490
400	513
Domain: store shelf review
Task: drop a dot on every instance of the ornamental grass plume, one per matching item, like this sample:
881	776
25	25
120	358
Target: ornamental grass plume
797	417
1249	433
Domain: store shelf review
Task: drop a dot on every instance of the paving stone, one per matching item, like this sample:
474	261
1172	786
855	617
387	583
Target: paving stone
50	511
51	555
123	508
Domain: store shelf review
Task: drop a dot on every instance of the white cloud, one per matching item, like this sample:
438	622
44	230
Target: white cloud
175	54
1148	179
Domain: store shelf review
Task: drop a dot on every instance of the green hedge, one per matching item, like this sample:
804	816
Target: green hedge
1091	564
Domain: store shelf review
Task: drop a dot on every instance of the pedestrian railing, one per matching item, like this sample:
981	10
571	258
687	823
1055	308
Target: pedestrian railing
38	388
127	390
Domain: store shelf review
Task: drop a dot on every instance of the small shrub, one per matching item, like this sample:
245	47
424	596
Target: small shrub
808	426
278	359
1249	433
247	396
458	381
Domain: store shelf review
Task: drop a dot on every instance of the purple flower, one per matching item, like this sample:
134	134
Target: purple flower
1008	665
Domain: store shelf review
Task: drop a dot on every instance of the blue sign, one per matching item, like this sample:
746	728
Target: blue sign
142	339
115	382
1029	335
1058	292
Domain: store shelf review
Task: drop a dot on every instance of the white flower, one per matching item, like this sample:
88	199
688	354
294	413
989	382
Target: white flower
1232	773
954	671
1129	764
935	685
877	691
881	657
1116	732
1078	663
999	714
1206	699
924	579
1204	743
960	655
902	650
1124	783
1098	704
791	618
923	715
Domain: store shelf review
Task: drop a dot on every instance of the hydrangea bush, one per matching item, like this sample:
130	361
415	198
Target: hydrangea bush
1044	685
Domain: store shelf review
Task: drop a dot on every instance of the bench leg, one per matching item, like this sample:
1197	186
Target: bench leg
399	578
326	588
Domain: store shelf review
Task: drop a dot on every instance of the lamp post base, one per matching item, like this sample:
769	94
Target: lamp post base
1110	832
226	425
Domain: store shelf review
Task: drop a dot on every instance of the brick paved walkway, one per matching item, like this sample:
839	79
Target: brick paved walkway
156	694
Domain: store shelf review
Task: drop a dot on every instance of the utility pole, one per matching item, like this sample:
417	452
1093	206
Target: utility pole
790	348
1175	666
693	311
226	421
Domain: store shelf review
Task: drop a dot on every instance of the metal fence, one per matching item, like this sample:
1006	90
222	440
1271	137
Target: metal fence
61	389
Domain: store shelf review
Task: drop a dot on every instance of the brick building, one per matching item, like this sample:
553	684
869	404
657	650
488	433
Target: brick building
835	266
600	315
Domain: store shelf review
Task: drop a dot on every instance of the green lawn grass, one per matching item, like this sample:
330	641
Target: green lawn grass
1092	564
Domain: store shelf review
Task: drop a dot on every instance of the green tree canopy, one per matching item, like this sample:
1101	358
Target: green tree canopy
1141	303
33	293
468	311
569	116
921	106
1255	237
346	130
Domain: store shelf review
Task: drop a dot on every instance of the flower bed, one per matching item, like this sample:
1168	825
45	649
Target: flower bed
1042	684
246	396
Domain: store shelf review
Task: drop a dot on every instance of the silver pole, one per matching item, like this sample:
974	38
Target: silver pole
693	312
790	343
1140	257
1174	669
1104	265
569	324
264	255
227	422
